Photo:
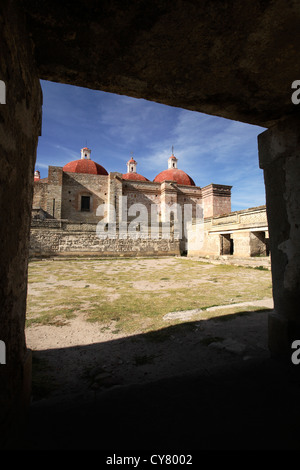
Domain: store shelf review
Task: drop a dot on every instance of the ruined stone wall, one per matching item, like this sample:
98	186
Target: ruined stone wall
241	244
201	242
54	197
191	196
141	193
51	237
40	195
114	196
247	230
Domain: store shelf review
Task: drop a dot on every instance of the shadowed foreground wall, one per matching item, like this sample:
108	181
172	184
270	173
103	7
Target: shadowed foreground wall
279	149
20	121
228	58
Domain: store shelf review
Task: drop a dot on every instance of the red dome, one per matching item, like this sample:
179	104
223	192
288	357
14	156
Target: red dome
176	175
134	176
85	165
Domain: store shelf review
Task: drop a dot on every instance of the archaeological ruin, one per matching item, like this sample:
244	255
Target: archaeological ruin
67	204
233	59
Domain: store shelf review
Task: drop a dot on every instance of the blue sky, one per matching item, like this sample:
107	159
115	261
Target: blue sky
210	149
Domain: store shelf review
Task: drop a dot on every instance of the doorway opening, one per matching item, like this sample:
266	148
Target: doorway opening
226	244
259	244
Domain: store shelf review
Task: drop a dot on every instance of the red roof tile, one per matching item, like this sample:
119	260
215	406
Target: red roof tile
134	177
85	165
176	175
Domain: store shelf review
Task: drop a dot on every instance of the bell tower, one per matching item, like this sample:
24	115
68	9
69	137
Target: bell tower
85	153
131	165
172	162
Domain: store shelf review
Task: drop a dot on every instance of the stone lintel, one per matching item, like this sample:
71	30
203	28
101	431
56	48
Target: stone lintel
279	141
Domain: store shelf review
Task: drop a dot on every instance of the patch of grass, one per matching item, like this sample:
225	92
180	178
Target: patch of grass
135	309
116	331
55	317
209	306
104	328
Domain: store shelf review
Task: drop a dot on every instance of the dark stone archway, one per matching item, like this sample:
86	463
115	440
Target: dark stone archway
228	58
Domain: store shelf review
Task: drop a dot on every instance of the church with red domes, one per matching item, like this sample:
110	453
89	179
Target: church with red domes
74	191
78	194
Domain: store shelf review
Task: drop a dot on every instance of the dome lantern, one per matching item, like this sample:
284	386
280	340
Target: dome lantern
85	153
37	175
131	171
85	165
172	162
131	165
174	174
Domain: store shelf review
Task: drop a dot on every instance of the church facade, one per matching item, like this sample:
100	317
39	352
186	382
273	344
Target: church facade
82	209
78	196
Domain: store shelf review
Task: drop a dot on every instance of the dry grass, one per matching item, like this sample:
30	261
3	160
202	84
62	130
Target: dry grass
132	295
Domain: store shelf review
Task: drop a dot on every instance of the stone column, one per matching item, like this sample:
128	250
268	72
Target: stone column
20	124
279	157
114	198
54	197
171	216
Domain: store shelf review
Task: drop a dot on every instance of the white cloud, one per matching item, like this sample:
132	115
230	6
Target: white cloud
43	165
209	149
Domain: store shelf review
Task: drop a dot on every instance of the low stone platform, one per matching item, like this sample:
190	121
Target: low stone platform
252	262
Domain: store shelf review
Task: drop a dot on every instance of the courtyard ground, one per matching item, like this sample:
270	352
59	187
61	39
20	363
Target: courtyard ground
155	354
95	324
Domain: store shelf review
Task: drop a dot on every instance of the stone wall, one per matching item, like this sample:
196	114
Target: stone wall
241	244
20	127
259	243
60	196
54	238
241	233
54	196
76	185
216	200
146	193
40	194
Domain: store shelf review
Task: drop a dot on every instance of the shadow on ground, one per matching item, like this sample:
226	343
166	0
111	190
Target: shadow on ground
234	399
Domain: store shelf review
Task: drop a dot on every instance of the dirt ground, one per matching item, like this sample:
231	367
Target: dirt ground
81	359
206	382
